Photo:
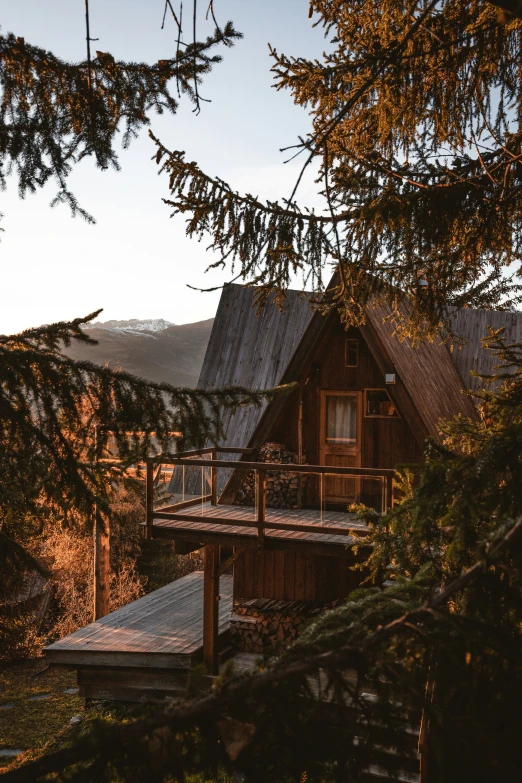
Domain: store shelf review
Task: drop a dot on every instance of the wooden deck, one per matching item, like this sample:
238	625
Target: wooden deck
182	525
162	630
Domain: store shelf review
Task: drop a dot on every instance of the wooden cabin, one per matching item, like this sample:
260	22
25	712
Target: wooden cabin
270	505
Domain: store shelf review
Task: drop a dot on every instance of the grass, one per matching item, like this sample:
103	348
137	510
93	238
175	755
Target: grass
31	725
40	727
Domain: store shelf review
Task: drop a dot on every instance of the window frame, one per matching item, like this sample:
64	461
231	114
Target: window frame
366	415
346	341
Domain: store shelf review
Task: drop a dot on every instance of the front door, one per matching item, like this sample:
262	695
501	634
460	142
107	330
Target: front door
340	443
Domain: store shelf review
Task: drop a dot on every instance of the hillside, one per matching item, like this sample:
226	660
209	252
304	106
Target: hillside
154	349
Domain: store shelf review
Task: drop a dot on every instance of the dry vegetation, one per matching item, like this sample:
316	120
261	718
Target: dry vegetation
65	549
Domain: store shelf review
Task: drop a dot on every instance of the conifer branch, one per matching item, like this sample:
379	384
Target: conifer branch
409	197
54	113
50	406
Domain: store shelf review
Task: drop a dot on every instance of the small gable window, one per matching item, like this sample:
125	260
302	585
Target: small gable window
377	402
351	353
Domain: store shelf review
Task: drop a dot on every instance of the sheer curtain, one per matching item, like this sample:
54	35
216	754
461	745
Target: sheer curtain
341	419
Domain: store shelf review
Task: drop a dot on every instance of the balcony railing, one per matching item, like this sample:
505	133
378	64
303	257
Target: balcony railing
208	459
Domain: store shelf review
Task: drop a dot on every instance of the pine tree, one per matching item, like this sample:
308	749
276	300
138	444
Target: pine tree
416	115
55	113
438	630
52	115
58	416
438	633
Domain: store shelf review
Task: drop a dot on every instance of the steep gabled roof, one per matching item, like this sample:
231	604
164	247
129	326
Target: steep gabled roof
471	326
263	351
251	351
427	371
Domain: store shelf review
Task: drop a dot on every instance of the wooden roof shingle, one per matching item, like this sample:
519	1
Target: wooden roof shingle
471	326
250	350
426	369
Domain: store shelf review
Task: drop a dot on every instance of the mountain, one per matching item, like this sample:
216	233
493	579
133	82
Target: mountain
134	325
154	348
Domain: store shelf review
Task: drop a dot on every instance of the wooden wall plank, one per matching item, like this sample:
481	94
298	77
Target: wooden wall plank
269	575
310	578
258	568
250	561
279	574
289	576
300	576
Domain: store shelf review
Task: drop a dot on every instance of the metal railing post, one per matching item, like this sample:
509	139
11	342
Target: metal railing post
149	498
261	506
213	480
388	493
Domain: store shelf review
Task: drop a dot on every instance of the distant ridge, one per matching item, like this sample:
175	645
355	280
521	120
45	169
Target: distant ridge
154	349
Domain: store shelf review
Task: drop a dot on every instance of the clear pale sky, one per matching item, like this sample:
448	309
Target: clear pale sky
136	261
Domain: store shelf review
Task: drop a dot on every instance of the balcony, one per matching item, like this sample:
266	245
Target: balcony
316	522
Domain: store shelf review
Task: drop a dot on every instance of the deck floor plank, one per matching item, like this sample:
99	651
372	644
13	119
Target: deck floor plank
339	519
167	622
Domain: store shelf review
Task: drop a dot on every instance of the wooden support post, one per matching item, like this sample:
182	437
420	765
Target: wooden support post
211	607
261	506
213	479
300	450
231	560
149	499
101	565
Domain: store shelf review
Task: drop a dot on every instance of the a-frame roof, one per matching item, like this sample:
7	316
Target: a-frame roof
251	350
260	352
426	369
471	326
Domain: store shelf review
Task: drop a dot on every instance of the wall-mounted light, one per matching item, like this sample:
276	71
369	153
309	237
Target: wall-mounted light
390	377
422	285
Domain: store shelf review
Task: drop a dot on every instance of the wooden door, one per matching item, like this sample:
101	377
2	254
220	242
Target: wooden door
340	441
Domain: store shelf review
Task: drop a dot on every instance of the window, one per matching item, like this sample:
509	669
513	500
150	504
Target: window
378	403
351	353
341	419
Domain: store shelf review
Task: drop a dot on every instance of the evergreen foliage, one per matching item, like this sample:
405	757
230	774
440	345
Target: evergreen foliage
58	417
441	638
416	130
416	126
54	113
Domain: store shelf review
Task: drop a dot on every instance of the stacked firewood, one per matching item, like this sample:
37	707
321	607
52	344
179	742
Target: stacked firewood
264	626
282	486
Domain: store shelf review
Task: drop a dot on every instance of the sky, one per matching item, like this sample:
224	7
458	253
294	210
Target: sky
136	262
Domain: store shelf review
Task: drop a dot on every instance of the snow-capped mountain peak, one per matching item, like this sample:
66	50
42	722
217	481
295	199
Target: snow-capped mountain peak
133	325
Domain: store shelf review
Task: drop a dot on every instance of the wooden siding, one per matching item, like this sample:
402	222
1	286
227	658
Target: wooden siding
386	442
293	576
162	630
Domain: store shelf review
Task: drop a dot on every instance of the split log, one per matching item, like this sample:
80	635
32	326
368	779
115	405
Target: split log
283	487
